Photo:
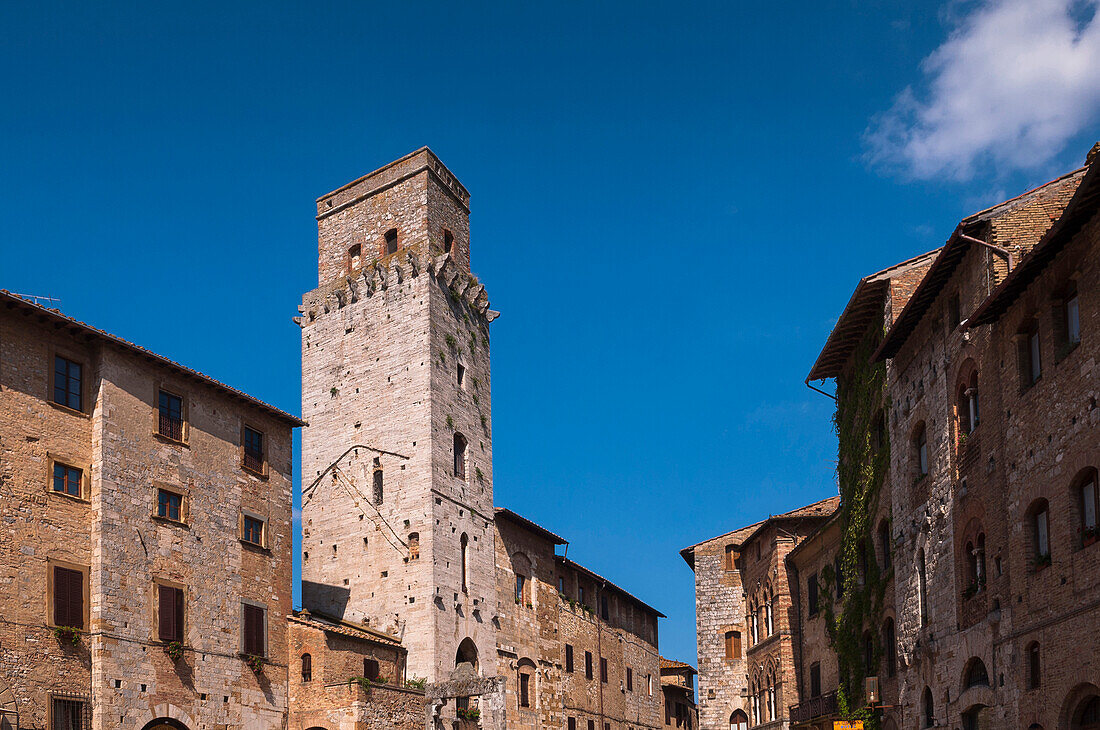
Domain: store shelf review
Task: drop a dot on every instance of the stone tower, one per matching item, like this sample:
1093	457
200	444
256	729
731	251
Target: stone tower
397	458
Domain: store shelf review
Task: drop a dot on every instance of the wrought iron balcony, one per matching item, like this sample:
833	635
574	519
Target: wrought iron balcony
815	707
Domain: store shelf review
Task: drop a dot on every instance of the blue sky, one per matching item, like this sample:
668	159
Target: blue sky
671	204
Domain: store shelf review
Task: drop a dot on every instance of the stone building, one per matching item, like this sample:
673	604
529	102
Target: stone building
399	530
991	425
745	625
145	560
678	688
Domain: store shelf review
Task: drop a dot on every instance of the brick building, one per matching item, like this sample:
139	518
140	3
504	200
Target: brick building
146	536
992	448
678	688
399	530
746	631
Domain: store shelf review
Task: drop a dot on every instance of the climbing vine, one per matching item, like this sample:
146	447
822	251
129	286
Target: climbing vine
863	459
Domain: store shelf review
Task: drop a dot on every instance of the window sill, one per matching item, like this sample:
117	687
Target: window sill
66	409
171	441
253	546
69	497
253	472
170	521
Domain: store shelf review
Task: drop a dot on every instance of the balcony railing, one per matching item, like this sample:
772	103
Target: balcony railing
814	708
171	427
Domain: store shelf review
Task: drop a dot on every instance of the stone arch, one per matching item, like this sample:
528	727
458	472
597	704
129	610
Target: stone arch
975	674
171	718
739	720
467	654
1077	702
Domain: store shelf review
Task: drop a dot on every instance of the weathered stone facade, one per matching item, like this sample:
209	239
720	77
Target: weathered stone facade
678	688
747	666
991	467
80	481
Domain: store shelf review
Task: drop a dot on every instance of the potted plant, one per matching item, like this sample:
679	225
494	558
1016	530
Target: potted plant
255	663
68	634
1089	535
174	650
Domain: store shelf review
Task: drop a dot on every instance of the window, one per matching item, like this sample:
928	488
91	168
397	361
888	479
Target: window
68	597
252	530
815	679
464	543
460	455
629	679
733	645
1033	675
755	626
253	459
588	665
580	594
1087	716
169	613
604	613
414	546
68	387
307	668
954	311
571	724
391	241
254	629
448	240
603	670
68	714
976	675
561	584
967	405
889	645
355	257
739	721
591	725
569	658
1040	522
922	587
884	543
170	424
524	690
370	668
378	486
1090	499
869	654
731	557
67	479
170	505
811	595
929	708
1029	355
920	441
521	584
461	375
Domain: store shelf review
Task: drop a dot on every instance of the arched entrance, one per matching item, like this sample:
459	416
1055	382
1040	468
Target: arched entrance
165	723
739	720
467	654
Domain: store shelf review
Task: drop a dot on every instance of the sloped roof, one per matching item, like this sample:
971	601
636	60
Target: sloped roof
14	301
821	508
673	665
600	579
528	524
863	307
949	257
1080	210
337	626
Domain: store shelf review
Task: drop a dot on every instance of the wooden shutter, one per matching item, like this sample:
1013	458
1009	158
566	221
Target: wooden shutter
68	597
253	630
170	613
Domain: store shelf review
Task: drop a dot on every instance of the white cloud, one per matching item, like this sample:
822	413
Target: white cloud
1013	82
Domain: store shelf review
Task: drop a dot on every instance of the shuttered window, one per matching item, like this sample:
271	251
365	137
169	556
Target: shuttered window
733	645
254	643
629	679
603	670
588	665
169	613
569	657
68	597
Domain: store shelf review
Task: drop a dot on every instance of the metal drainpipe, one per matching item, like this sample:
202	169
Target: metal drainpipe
599	648
996	249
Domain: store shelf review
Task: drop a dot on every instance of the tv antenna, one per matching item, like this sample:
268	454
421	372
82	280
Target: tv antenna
36	297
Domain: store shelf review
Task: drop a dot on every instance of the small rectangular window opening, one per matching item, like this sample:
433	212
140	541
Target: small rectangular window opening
67	479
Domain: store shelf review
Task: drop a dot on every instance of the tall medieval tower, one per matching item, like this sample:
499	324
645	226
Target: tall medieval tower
397	458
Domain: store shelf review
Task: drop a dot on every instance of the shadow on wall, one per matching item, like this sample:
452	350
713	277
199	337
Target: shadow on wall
326	599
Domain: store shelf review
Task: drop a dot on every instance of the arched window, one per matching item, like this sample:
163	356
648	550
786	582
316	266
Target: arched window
768	630
922	587
733	645
739	720
1039	516
884	544
460	445
1087	716
920	449
868	654
976	675
755	625
773	713
1034	677
307	668
467	654
889	646
414	546
1088	490
391	241
967	405
928	708
464	542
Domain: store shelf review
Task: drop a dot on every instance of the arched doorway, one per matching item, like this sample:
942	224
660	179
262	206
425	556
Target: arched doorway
1087	714
467	654
739	720
165	723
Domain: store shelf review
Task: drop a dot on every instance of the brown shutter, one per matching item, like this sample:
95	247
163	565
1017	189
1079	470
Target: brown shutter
68	597
253	630
164	613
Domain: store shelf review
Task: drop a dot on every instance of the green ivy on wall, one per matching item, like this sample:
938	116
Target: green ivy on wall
861	469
